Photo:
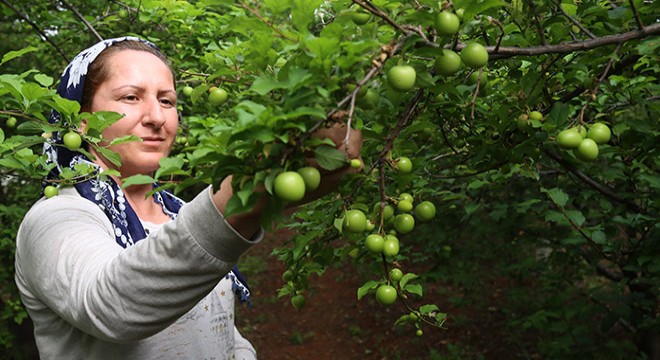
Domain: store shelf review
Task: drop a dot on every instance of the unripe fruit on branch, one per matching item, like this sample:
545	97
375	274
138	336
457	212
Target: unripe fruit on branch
587	151
386	295
404	165
355	221
447	23
311	176
289	186
401	77
50	191
474	55
447	63
569	138
72	140
218	96
600	133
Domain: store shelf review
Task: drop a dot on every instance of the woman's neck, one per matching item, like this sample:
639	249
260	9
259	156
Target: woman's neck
146	208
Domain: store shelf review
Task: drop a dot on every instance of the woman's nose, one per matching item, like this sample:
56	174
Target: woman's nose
153	114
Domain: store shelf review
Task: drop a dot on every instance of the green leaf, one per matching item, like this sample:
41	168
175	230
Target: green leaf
366	288
329	158
414	289
170	166
2	136
473	7
576	217
406	278
139	179
110	155
14	54
43	79
557	195
124	139
427	309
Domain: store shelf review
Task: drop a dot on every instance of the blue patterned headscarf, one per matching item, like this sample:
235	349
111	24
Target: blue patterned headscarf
104	191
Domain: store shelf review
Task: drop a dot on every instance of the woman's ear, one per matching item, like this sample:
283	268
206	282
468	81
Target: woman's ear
83	126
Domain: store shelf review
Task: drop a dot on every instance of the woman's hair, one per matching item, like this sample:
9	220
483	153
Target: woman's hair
99	69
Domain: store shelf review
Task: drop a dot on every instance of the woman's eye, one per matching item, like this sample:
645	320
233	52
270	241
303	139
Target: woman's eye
167	102
130	97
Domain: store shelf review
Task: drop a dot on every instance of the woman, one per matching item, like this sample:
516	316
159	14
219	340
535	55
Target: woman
107	273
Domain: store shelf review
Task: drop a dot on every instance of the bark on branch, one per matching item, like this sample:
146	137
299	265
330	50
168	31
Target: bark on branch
509	51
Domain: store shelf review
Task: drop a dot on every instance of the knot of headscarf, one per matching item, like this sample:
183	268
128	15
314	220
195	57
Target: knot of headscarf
103	190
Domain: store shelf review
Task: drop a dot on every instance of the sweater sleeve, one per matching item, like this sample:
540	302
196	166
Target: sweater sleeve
67	258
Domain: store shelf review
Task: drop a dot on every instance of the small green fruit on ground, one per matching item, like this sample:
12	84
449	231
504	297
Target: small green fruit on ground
289	186
311	176
298	301
474	55
72	140
404	165
401	77
569	139
447	23
404	223
50	191
600	133
396	274
218	96
355	221
447	63
386	295
425	211
588	150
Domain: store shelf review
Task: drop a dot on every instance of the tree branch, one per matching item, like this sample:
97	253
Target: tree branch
609	193
575	22
82	18
255	13
37	29
563	48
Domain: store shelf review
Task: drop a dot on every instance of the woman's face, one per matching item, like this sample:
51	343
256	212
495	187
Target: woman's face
141	87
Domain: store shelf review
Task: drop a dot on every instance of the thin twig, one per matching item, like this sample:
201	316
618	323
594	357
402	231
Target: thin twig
37	29
575	22
638	20
499	39
603	189
82	18
577	227
256	13
537	22
600	80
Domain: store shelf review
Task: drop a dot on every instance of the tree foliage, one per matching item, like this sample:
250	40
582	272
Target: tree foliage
584	233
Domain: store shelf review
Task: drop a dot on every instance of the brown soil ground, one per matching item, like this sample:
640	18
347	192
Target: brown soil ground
335	325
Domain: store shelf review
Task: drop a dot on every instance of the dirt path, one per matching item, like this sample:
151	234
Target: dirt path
332	325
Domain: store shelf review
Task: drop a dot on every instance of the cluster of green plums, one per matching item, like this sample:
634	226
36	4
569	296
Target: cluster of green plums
447	62
217	96
584	142
291	186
